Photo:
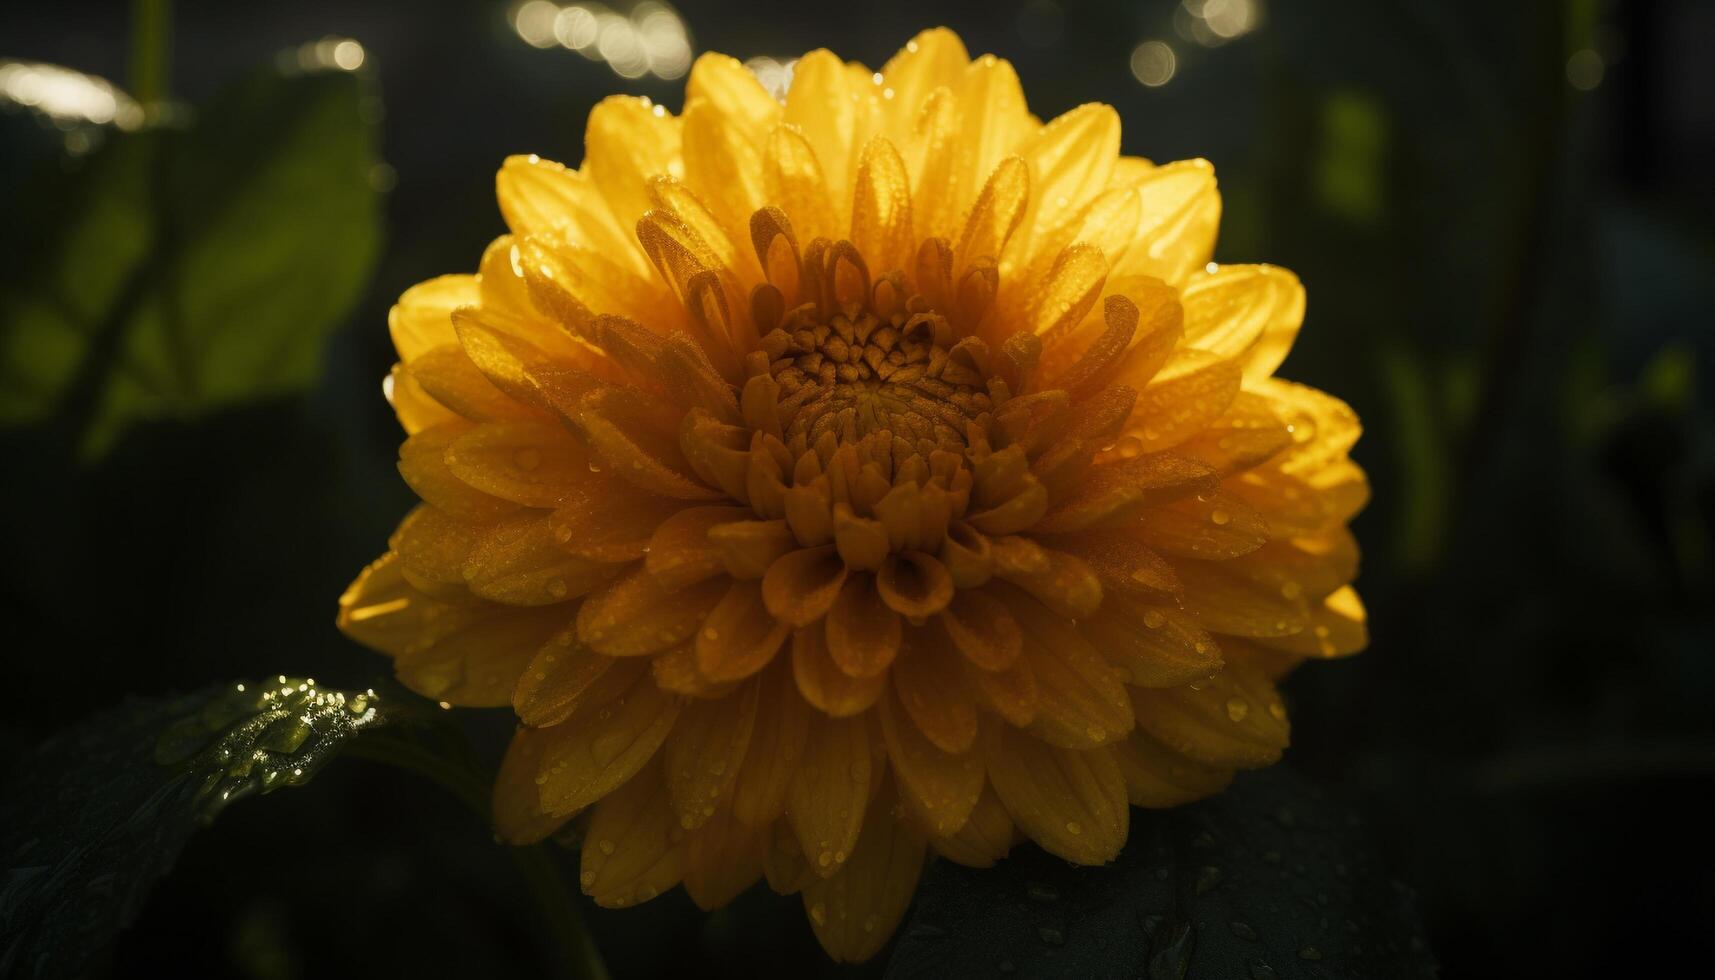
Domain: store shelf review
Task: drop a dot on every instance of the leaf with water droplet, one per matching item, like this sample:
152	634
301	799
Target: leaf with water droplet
97	814
1201	891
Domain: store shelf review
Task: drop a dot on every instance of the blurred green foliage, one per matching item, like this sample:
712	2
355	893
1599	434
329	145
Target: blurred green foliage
198	263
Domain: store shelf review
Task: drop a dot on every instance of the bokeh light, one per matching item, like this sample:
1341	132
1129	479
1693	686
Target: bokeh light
1153	63
650	39
67	98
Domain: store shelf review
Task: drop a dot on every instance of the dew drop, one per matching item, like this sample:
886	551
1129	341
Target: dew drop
605	846
1277	710
819	914
1237	709
1074	828
587	878
1154	619
557	588
527	458
1219	517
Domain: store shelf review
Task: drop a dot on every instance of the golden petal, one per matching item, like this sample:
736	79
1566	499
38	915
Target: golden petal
1071	160
1211	526
605	519
540	196
829	791
985	838
632	852
1190	391
930	685
566	676
519	563
881	208
776	749
627	141
1073	803
634	616
1181	211
749	548
795	181
801	586
994	124
1081	702
914	585
996	215
1249	312
1222	600
1157	646
823	683
447	375
413	406
1158	777
519	817
536	464
621	428
863	632
594	753
1233	720
854	912
983	630
739	637
822	105
723	857
1011	693
1336	628
703	755
433	547
1064	583
422	320
680	553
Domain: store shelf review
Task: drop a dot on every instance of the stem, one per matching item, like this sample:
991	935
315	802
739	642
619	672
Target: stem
579	957
151	49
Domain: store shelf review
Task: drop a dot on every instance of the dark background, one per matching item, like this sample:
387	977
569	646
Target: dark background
1509	279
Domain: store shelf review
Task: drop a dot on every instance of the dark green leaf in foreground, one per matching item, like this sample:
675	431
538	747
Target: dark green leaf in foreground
192	265
100	812
1267	880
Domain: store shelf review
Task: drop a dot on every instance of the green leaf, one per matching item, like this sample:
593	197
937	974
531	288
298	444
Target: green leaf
100	812
1267	880
191	266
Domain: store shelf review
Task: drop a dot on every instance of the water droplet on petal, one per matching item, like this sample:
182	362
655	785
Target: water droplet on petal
1237	709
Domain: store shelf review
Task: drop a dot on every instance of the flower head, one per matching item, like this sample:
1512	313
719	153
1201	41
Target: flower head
884	471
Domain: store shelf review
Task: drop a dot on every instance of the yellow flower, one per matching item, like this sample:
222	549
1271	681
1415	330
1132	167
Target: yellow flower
829	482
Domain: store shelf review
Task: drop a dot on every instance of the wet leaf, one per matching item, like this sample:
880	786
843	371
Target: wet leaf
1266	880
96	815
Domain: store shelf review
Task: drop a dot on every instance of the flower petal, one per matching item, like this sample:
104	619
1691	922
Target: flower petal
627	140
1157	646
983	630
776	748
680	553
1249	312
634	616
802	586
931	686
1158	777
855	912
823	683
829	791
985	838
941	787
631	849
518	562
723	857
1232	720
595	752
863	632
1071	802
704	753
740	636
536	464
